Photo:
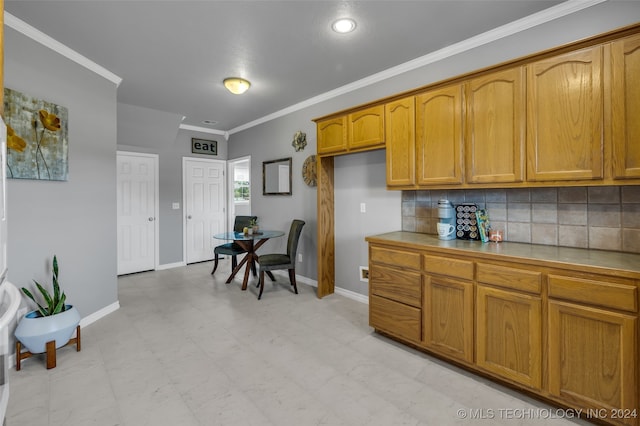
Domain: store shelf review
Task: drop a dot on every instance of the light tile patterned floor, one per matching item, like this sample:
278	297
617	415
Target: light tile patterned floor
185	349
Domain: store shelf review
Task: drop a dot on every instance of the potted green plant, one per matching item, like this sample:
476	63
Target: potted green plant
253	224
54	320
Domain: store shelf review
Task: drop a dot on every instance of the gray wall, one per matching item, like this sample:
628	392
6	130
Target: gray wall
74	219
273	140
156	132
361	178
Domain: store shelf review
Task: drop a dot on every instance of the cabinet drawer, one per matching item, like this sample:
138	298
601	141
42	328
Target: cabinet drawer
395	318
395	257
449	267
395	284
503	276
601	293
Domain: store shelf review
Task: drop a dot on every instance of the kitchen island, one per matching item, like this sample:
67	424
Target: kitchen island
557	322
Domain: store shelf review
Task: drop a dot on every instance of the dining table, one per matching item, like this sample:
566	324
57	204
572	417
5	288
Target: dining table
250	243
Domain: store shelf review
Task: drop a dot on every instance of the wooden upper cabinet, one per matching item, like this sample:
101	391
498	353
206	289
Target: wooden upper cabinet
332	135
625	108
357	131
439	136
495	127
366	128
565	117
400	136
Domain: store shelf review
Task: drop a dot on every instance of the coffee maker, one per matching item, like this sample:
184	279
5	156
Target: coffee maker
446	220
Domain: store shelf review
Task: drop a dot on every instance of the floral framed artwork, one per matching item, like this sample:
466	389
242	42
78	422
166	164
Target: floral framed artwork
37	138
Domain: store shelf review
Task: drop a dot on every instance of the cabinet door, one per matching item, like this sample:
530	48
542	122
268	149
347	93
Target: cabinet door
366	128
508	335
400	136
625	108
495	127
439	136
448	317
565	117
332	135
592	356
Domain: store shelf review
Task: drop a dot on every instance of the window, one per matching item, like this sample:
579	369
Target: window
241	184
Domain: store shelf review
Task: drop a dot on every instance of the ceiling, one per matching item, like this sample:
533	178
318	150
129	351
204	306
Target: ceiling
173	55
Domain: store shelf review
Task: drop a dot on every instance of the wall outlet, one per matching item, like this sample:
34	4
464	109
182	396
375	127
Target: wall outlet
299	257
364	274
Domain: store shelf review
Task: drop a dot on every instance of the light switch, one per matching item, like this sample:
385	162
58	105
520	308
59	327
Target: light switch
175	206
363	207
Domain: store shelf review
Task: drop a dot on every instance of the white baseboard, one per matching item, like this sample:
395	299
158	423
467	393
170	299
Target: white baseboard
339	290
170	266
90	319
352	295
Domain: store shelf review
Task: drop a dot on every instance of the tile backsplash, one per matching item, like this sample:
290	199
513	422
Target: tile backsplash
599	217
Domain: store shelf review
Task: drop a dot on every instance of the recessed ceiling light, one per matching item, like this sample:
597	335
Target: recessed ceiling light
209	122
343	25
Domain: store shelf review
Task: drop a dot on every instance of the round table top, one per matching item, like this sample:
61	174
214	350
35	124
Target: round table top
239	236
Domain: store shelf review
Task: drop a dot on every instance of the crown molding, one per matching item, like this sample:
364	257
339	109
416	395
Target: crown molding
205	130
40	37
539	18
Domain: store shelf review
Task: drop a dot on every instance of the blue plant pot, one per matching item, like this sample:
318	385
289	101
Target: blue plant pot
34	331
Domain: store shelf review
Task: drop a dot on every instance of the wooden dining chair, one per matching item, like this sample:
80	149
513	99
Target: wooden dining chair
233	249
271	262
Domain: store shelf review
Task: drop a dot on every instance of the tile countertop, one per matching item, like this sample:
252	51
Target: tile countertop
597	261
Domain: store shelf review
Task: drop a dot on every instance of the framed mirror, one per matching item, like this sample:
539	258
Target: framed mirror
276	177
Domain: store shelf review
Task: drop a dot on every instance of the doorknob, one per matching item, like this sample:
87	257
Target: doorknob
150	219
189	217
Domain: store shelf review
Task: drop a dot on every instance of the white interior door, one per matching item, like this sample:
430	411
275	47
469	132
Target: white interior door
137	212
204	206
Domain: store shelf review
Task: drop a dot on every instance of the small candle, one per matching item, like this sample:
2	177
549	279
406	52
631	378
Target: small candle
495	235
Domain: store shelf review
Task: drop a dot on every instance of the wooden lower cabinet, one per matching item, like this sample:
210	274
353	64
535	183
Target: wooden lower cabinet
568	335
395	292
448	317
395	318
592	359
509	335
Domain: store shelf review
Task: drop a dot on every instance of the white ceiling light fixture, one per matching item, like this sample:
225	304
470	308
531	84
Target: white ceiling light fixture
236	85
343	25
